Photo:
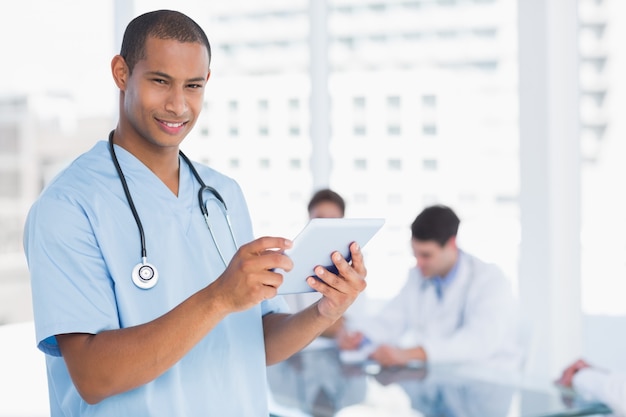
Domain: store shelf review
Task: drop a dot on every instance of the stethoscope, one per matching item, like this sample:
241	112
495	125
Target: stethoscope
144	274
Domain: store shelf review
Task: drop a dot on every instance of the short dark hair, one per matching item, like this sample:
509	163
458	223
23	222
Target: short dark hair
160	24
438	223
327	195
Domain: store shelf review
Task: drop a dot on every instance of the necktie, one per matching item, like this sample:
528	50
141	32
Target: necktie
438	283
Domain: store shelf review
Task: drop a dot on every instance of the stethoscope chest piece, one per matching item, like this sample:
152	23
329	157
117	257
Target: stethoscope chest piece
145	275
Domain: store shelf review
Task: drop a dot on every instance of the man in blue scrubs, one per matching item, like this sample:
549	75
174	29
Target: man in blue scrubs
197	342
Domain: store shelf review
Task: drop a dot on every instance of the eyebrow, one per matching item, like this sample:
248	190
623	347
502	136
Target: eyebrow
169	77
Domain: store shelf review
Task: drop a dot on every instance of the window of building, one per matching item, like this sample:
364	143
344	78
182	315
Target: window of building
393	102
294	103
467	197
264	131
596	131
233	131
429	164
345	9
359	130
506	199
264	163
294	131
485	32
486	65
412	5
429	101
447	34
233	105
360	164
358	103
360	198
394	165
204	131
394	130
233	163
263	104
395	199
377	7
429	130
295	164
347	42
596	64
295	196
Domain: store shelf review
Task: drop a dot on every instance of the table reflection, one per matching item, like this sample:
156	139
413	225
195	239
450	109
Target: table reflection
443	395
317	383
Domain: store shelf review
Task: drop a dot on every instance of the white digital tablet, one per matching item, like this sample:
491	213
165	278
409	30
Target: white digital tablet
317	241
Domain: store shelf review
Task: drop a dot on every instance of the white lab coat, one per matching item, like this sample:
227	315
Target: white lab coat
475	321
607	387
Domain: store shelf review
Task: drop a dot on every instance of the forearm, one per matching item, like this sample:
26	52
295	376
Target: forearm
112	362
388	355
415	354
334	328
286	334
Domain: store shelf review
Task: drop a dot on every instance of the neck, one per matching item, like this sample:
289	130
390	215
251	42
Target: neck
162	161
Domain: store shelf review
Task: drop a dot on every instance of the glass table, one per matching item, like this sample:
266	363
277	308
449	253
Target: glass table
318	383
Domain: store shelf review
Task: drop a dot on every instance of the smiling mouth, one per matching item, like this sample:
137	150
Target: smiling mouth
173	125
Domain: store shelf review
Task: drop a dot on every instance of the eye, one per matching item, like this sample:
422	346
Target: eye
195	86
159	81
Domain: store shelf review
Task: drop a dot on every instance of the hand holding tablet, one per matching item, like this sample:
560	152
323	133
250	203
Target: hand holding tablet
317	241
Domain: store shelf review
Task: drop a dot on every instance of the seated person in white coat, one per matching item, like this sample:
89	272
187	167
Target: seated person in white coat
324	204
605	386
454	308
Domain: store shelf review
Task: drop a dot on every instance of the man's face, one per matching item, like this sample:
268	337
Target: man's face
163	96
325	210
432	258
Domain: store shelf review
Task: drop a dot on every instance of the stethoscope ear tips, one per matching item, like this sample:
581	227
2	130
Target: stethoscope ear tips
145	275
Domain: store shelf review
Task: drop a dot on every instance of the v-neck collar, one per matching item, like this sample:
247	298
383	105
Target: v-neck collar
145	183
130	164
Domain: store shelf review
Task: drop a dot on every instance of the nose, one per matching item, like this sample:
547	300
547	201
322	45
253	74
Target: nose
176	102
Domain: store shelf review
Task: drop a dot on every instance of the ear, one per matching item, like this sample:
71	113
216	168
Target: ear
208	75
451	242
120	72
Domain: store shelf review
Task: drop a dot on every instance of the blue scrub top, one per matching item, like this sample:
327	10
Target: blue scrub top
82	243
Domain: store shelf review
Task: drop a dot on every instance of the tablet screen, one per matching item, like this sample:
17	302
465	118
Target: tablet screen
317	241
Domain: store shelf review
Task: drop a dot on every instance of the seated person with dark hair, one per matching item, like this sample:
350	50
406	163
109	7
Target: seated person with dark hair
324	204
